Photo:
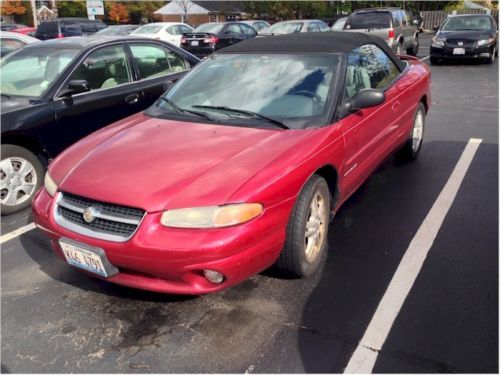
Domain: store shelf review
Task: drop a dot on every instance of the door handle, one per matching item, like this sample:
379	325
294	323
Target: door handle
395	106
132	99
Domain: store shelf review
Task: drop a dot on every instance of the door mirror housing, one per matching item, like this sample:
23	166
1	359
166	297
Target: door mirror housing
75	86
366	98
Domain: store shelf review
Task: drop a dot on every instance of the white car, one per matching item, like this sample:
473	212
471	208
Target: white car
10	41
170	32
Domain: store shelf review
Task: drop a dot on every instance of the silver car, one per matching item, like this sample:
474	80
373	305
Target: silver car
296	26
391	24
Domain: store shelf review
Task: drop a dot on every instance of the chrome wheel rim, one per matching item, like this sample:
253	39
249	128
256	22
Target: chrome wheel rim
418	130
398	52
18	180
315	227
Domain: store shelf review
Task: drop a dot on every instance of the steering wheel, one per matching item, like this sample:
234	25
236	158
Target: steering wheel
309	94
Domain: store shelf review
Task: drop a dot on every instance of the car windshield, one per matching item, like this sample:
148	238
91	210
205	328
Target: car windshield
467	23
368	20
30	72
148	29
286	28
339	25
293	88
213	28
112	30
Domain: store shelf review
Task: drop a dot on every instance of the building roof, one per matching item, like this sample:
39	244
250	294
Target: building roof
179	7
330	42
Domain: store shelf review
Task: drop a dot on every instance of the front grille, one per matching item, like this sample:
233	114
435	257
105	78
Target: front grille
111	222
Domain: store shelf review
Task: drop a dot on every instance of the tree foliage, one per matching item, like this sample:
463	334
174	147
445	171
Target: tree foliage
12	8
77	8
142	11
117	12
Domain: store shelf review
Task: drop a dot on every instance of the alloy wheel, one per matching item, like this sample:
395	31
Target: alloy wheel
418	131
315	227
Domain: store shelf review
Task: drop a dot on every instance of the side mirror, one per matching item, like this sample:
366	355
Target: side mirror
75	86
435	28
366	98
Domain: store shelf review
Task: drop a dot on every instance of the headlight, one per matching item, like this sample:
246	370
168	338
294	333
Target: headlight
438	42
485	41
211	217
49	185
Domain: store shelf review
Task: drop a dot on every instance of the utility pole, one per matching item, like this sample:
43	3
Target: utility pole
35	18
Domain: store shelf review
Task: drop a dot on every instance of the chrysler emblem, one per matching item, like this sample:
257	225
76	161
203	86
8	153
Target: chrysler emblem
89	214
460	43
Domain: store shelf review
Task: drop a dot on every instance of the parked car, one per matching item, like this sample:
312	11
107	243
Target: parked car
26	31
209	37
58	91
118	30
466	35
296	26
71	26
416	19
212	185
10	41
257	25
339	24
11	26
390	24
167	31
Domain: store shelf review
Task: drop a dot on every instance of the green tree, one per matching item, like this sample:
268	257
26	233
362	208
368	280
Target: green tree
77	8
142	11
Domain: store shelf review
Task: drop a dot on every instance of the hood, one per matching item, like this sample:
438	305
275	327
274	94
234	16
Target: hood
13	103
157	164
465	34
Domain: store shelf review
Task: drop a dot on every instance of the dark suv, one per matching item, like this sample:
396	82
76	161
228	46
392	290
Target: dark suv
63	27
393	25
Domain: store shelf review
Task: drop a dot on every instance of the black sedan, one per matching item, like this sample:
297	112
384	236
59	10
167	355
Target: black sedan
466	36
210	37
58	91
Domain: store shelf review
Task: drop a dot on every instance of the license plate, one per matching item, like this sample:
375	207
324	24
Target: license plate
194	43
459	51
88	258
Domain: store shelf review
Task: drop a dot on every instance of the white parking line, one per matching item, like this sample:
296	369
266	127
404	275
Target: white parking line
17	232
365	355
424	58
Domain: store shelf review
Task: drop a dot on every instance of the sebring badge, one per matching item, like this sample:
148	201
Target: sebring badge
89	214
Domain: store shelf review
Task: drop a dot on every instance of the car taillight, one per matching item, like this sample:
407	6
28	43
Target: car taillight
59	36
211	40
391	34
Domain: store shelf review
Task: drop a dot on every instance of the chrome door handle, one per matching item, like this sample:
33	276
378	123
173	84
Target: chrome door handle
132	99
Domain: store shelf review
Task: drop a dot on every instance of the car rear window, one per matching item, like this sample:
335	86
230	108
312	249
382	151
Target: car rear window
369	20
148	29
48	27
209	28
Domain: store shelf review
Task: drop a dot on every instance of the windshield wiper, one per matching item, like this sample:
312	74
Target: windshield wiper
245	112
182	110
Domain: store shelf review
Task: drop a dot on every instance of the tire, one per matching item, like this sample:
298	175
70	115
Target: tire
413	51
399	50
411	149
491	59
17	186
301	255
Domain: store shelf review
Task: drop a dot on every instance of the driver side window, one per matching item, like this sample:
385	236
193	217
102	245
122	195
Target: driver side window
104	68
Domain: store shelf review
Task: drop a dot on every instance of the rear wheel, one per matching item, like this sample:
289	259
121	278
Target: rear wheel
413	50
411	148
399	50
307	230
434	60
21	175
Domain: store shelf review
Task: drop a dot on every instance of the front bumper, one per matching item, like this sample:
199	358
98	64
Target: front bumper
471	52
172	260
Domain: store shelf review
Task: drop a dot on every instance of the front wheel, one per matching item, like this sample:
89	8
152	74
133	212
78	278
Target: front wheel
21	175
307	230
413	50
411	148
491	58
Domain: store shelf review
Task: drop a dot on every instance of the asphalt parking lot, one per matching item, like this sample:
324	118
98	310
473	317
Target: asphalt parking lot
55	319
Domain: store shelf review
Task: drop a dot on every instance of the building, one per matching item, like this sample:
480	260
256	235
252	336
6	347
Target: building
195	13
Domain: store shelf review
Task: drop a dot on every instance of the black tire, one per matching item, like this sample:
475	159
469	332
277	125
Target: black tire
407	153
413	51
492	56
9	151
293	257
399	49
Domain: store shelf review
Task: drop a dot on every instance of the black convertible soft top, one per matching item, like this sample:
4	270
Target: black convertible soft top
326	42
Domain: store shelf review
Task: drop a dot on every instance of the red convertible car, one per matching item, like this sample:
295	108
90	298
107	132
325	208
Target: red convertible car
239	166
